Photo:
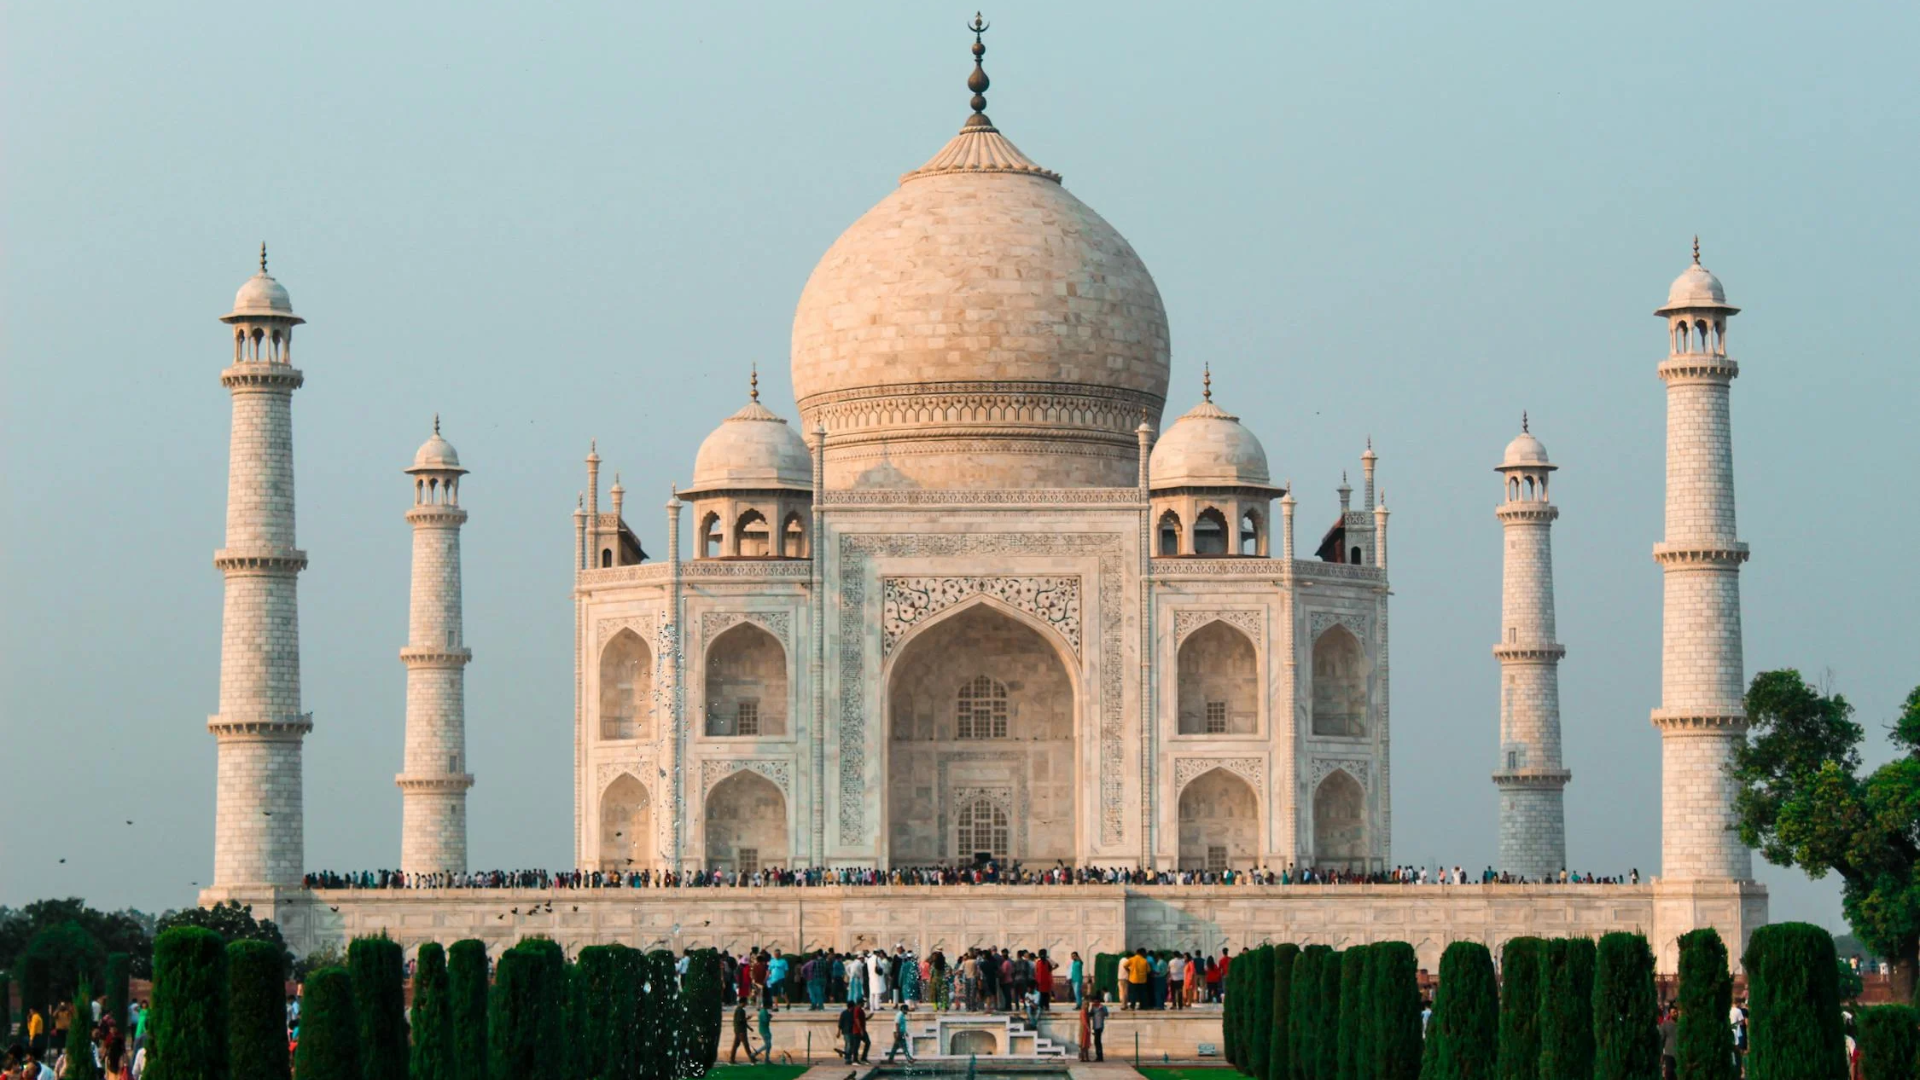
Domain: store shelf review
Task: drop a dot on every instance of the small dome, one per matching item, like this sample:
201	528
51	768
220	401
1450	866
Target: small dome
1525	451
262	295
753	448
436	454
1695	288
1208	447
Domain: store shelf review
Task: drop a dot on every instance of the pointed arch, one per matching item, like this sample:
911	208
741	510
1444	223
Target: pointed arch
1210	532
626	824
1340	672
746	683
1340	822
1219	822
710	535
1218	682
746	823
1169	533
626	687
752	536
793	537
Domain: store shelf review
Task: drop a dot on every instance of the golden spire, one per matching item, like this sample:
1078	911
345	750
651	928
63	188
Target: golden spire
1206	381
753	383
978	81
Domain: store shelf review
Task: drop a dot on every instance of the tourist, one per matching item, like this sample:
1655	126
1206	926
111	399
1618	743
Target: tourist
114	1064
901	1043
864	1042
766	1029
837	977
743	979
877	977
818	971
1032	1002
31	1067
1076	973
970	981
1157	982
940	976
1136	971
1177	981
908	982
760	972
741	1037
1043	979
845	1026
1097	1025
1670	1043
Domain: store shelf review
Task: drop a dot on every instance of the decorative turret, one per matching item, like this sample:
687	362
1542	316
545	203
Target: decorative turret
752	490
1209	482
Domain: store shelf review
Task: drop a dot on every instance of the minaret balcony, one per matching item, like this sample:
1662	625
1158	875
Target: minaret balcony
429	657
1699	367
1533	779
260	560
1699	721
262	375
1537	652
1706	554
272	728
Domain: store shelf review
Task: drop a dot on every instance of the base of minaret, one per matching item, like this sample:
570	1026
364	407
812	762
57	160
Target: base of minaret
1533	822
433	829
1732	908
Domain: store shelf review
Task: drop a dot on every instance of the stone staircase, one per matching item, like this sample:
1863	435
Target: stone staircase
962	1035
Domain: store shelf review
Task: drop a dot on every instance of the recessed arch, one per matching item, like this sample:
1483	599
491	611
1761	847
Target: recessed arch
710	536
1340	822
1339	684
746	683
1253	533
1170	533
1219	822
1210	532
746	823
626	824
752	536
626	687
793	537
1218	682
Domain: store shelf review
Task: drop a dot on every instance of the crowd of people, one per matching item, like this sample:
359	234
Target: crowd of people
116	1044
987	873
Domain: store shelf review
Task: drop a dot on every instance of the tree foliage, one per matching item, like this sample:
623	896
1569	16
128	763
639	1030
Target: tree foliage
232	920
1803	802
1521	970
1304	1002
187	1028
1279	1034
1626	1033
80	1063
432	1017
379	970
700	993
467	987
1706	995
1327	1042
329	1031
256	1010
1394	977
1793	999
1257	1026
1566	1010
625	1035
1889	1042
128	931
1353	1007
1463	1035
57	960
119	990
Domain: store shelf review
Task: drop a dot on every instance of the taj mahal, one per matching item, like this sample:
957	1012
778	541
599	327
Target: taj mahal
980	597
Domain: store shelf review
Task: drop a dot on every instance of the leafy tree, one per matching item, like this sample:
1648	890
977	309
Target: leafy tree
1626	1035
128	931
1353	1005
1794	1005
1889	1042
329	1031
6	1007
1521	964
1803	802
119	990
256	1010
232	920
378	968
1304	1002
1327	1041
1257	1020
1566	1010
513	1047
1395	977
187	1028
1851	984
1462	1037
57	960
1706	995
432	1025
1280	1031
467	995
80	1064
700	993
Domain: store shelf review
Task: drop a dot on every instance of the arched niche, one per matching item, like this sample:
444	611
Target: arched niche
1339	684
626	825
752	536
1210	534
626	687
746	823
1218	683
746	691
1340	822
1219	822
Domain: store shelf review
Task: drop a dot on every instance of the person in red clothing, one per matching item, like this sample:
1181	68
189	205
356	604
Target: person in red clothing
760	976
1214	968
1043	979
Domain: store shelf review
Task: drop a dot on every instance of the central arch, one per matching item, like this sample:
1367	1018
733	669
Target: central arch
981	710
626	825
1340	823
746	824
1219	823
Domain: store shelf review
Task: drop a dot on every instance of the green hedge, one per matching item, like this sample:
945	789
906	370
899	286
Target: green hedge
1259	1014
1521	975
1232	1045
379	969
432	1016
1279	1034
624	1054
1395	1030
1706	996
1793	996
467	987
700	995
257	1010
1463	1036
1566	1010
1626	1036
1106	975
1304	1002
663	1018
1326	1041
119	994
187	1029
1353	1008
1889	1042
329	1031
513	1015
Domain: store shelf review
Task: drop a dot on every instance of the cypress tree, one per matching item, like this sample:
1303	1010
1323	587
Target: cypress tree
662	1015
1395	974
1280	1037
6	1007
1566	1010
1257	1020
379	970
119	994
187	1029
1889	1042
256	1010
594	968
1229	1011
625	1038
1626	1035
1521	976
79	1047
1353	1006
700	999
1303	1012
513	1047
550	1031
1326	1041
433	1044
1793	994
1463	1036
1706	996
329	1031
467	997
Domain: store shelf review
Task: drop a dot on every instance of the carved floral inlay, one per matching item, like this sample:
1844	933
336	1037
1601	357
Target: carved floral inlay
1319	621
1185	769
604	629
1359	768
715	623
905	602
1186	622
777	770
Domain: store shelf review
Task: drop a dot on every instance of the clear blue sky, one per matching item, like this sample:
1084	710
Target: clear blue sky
553	223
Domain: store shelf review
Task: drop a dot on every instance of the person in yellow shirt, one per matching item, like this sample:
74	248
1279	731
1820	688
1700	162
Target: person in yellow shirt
1137	970
36	1028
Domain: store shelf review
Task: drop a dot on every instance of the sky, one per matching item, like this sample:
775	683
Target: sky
553	223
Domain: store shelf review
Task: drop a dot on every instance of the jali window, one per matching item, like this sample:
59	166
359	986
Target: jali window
983	709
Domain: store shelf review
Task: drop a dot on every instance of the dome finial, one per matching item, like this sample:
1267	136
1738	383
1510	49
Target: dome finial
263	256
436	423
1206	381
978	81
1696	249
1523	420
753	382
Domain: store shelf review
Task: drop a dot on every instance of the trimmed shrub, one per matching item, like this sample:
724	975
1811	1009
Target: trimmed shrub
662	1015
1706	995
700	1001
1793	998
1230	1011
1566	1010
1353	1007
329	1031
6	1007
1106	977
1257	1019
593	970
1279	1036
467	1000
1626	1035
432	1015
1326	1041
187	1029
119	994
1889	1038
257	1010
1520	981
379	970
1394	972
1303	1011
1463	1036
513	1013
80	1065
625	1033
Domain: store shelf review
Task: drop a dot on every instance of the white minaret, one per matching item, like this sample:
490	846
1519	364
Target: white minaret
433	830
1702	713
258	827
1533	827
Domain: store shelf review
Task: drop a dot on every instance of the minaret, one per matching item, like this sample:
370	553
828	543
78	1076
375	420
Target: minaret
258	826
434	780
1702	713
1533	827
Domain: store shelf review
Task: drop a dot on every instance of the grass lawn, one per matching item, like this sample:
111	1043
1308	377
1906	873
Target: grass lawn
757	1072
1190	1072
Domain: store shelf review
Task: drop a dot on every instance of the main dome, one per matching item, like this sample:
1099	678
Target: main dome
981	327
